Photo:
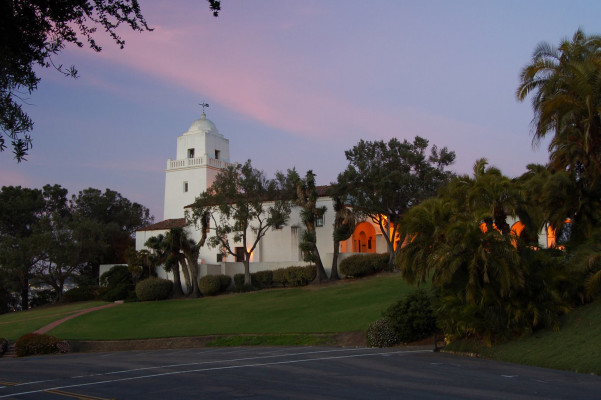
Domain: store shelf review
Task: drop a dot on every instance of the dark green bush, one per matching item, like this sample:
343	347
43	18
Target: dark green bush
412	318
119	284
210	285
294	276
153	288
41	297
225	282
3	346
381	334
81	293
239	285
360	265
262	279
33	343
121	292
119	274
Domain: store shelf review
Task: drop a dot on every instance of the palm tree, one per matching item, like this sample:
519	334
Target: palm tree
167	251
566	82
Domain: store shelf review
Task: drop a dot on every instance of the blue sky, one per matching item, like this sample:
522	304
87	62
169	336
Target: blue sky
293	84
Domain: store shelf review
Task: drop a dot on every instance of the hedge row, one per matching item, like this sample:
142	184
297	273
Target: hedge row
211	285
152	289
361	265
33	343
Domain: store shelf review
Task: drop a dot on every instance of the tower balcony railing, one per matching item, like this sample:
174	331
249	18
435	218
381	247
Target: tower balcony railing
196	162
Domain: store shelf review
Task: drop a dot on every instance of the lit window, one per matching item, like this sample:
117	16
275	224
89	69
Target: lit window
319	221
185	186
190	153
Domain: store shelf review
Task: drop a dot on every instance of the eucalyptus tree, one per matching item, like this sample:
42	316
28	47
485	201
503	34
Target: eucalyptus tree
385	179
242	205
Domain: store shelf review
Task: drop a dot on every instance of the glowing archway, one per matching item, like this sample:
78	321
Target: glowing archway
364	238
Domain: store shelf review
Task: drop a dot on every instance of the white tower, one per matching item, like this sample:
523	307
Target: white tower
201	152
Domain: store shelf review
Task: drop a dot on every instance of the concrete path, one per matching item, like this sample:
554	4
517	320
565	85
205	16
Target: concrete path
54	324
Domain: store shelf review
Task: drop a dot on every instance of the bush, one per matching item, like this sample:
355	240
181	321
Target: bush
41	297
413	317
225	281
119	284
81	293
381	334
3	346
239	285
152	289
33	343
294	276
262	279
361	265
210	285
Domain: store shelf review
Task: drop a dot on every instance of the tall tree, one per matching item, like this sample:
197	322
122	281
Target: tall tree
344	226
243	205
20	212
118	219
566	85
384	180
306	198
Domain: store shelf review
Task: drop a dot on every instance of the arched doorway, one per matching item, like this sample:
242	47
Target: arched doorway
364	238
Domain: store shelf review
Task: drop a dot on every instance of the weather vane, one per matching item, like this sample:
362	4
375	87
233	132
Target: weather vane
203	105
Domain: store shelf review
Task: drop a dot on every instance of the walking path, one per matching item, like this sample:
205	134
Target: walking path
54	324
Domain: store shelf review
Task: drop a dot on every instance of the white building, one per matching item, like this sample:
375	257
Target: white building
201	153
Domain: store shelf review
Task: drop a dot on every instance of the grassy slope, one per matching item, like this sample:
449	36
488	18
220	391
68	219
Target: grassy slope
576	347
14	325
334	308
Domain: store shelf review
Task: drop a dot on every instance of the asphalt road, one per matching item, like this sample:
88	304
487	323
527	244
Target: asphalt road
284	373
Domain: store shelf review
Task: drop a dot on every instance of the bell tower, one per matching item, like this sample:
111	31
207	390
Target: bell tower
201	153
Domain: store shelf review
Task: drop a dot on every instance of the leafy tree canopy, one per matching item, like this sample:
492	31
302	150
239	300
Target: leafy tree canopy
384	180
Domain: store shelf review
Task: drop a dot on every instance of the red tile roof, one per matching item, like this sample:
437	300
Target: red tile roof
166	224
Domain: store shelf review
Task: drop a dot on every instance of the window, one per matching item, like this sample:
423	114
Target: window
217	154
190	153
319	220
185	187
239	254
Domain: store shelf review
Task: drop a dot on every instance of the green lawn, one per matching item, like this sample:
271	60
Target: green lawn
15	324
575	347
342	307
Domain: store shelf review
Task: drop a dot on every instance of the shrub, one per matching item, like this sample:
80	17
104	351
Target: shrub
81	293
33	343
41	297
210	285
381	334
361	265
119	274
412	318
294	276
262	279
239	285
153	288
3	346
119	284
225	281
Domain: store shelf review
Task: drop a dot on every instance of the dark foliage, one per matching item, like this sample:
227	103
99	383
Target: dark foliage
153	289
33	343
412	318
381	334
361	265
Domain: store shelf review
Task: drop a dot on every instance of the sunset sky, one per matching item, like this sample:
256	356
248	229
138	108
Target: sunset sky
293	84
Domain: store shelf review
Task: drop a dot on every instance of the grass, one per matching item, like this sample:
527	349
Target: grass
14	325
329	309
575	347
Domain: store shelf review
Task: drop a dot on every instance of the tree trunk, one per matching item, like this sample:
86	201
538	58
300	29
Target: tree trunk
25	295
246	262
177	282
320	275
193	264
183	262
334	273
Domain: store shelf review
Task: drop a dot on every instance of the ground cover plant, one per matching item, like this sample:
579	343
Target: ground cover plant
346	307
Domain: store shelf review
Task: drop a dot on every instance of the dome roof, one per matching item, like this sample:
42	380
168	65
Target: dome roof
202	125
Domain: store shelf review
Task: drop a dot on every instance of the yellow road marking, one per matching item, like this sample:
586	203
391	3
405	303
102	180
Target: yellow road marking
75	395
8	383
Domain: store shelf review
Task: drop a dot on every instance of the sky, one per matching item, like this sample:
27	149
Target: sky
293	84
